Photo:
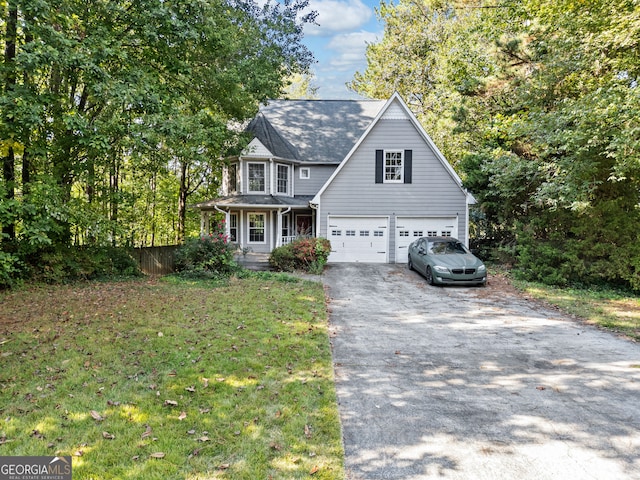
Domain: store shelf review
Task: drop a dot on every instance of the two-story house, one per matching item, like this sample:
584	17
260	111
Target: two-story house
362	173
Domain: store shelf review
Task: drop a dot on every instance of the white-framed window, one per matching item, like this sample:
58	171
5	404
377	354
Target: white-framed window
336	233
378	233
233	227
446	233
393	166
432	233
305	173
257	228
232	178
417	233
350	233
282	179
285	226
404	233
256	173
364	233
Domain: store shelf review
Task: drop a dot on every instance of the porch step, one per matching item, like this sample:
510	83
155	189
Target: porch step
253	261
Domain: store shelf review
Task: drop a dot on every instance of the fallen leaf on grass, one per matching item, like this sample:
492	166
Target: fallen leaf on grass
314	470
224	466
96	416
190	389
307	431
108	436
147	432
182	416
157	455
172	403
204	438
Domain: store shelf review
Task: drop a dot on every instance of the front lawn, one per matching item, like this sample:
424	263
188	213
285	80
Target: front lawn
613	310
158	380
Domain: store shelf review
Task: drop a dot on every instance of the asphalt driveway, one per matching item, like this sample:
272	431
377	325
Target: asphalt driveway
470	383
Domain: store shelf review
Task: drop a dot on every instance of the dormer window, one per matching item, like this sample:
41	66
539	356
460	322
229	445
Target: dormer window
282	181
257	176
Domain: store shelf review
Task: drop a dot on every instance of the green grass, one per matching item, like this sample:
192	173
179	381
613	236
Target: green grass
227	381
607	308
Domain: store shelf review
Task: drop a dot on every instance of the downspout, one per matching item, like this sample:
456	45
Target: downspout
314	206
279	226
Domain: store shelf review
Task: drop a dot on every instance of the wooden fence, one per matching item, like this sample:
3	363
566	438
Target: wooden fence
156	260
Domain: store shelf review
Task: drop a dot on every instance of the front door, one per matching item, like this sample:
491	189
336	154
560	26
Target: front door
304	225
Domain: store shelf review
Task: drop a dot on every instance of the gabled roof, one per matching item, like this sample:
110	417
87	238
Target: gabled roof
314	131
395	106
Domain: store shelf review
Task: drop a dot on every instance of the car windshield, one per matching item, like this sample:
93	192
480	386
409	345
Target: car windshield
441	247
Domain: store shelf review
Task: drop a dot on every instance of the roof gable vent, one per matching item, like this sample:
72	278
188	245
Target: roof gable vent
395	112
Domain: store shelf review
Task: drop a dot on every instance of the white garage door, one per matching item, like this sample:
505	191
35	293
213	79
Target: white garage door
410	228
358	239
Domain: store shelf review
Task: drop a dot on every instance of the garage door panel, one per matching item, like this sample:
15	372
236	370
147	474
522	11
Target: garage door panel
409	229
358	239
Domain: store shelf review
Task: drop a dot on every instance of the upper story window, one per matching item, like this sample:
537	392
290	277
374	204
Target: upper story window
232	178
305	173
282	180
257	177
393	167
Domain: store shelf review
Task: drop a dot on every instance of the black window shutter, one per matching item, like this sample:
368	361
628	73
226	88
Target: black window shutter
408	160
379	166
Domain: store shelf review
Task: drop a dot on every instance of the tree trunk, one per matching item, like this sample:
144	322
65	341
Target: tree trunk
182	201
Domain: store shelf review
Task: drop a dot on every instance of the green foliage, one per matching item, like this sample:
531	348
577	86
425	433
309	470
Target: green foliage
10	270
207	256
536	104
306	254
61	265
97	126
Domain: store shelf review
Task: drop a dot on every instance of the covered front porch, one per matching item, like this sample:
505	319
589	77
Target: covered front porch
257	223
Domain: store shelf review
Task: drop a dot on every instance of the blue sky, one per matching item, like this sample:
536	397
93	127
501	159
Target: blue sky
339	42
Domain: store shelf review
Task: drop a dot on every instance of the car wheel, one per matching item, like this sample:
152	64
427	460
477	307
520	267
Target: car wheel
429	275
410	263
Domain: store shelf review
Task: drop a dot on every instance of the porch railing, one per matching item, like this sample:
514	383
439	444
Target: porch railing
290	238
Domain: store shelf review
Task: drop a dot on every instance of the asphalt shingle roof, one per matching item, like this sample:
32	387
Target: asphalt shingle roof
314	131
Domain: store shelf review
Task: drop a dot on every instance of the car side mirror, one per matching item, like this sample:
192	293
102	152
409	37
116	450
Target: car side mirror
421	251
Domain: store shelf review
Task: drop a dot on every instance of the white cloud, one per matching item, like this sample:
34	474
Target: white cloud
350	49
338	16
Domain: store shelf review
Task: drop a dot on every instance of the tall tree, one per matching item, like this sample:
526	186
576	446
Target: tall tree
536	103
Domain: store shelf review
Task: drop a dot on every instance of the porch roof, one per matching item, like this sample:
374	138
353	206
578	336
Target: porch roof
257	201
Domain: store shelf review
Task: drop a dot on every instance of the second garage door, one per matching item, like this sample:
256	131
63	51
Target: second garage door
358	239
409	229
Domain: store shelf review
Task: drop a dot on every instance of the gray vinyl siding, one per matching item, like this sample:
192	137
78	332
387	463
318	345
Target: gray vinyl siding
433	191
319	176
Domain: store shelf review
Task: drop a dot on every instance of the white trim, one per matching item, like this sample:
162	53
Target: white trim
264	171
289	179
384	166
306	169
264	228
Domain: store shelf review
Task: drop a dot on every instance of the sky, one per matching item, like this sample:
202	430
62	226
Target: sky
339	43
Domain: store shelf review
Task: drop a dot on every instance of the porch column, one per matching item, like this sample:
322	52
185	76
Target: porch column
204	222
279	228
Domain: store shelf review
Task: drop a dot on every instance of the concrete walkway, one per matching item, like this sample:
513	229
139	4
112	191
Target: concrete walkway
466	383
